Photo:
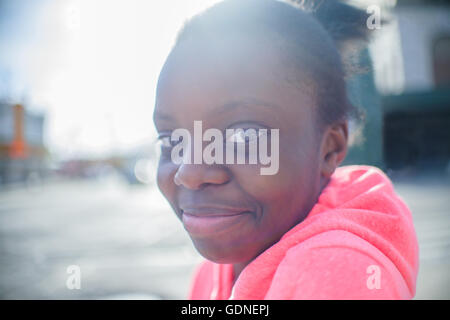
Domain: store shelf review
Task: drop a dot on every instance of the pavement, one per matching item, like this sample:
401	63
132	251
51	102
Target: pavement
429	201
125	240
128	244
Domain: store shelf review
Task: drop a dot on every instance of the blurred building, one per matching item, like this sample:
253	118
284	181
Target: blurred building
417	119
22	150
406	100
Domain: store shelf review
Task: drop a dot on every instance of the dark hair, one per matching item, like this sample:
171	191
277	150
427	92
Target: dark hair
318	36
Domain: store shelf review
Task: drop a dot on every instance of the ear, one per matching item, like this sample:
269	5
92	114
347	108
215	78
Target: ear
333	148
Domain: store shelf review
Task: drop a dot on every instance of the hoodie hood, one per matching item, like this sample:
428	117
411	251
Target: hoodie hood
358	226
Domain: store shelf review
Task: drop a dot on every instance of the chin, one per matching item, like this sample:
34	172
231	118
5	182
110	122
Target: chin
225	252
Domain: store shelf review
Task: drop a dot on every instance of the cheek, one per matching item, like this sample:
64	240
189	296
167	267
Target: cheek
164	180
290	192
270	189
297	171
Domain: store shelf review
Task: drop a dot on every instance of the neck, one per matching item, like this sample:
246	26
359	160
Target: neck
237	269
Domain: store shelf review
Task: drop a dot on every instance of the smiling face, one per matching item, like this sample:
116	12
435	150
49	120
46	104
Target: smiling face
232	212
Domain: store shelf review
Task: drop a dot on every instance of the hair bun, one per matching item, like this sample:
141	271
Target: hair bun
346	24
343	21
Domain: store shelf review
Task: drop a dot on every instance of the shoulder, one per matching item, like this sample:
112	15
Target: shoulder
337	264
201	284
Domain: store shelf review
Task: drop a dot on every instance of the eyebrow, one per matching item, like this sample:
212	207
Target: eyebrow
227	107
232	105
162	116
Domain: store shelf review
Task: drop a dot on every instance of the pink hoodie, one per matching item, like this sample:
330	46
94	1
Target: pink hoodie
358	242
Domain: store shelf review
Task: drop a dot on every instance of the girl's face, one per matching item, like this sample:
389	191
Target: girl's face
232	212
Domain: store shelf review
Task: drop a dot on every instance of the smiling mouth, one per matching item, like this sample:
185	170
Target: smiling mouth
204	221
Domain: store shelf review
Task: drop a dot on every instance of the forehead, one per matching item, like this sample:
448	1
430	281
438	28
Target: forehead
199	77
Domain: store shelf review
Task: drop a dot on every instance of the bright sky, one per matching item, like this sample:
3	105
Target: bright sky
91	66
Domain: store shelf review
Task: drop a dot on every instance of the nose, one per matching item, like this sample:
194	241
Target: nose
197	176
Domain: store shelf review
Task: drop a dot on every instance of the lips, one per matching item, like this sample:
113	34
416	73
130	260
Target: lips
208	220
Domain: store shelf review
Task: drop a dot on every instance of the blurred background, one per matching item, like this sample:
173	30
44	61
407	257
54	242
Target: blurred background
78	155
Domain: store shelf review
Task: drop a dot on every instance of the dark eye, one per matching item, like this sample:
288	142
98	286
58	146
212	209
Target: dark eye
165	142
245	136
